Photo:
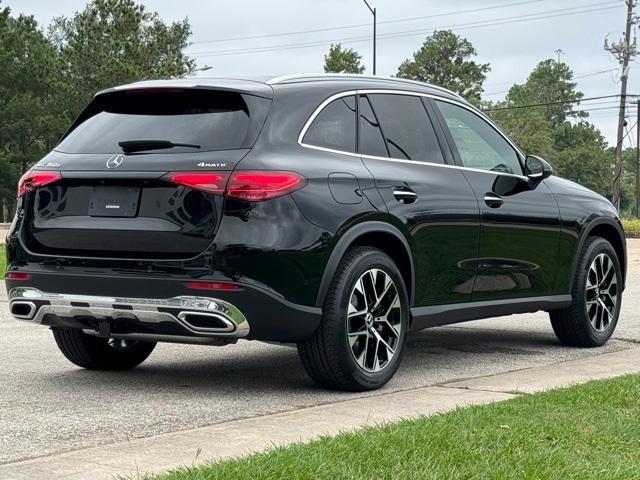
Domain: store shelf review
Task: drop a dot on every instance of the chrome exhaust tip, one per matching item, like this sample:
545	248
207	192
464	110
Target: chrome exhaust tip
206	322
23	310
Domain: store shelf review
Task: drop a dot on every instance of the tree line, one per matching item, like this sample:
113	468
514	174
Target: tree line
47	75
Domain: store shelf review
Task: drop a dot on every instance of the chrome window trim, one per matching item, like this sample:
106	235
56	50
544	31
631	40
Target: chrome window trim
472	109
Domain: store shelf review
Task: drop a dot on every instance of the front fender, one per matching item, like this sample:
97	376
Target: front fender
604	227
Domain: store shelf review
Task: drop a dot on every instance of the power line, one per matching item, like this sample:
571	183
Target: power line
361	25
547	104
501	21
575	77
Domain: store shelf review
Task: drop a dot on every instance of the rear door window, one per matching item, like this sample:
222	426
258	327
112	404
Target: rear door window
335	126
370	138
406	127
213	120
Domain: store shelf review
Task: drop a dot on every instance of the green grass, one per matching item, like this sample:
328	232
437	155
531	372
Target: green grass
3	260
631	226
590	431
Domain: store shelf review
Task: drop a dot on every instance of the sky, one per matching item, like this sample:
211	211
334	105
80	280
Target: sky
511	35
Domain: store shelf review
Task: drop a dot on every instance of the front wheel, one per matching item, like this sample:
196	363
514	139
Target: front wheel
592	317
96	353
360	340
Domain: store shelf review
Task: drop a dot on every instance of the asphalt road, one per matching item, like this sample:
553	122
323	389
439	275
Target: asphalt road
49	406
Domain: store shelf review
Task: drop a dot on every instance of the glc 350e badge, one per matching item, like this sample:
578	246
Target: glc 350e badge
115	161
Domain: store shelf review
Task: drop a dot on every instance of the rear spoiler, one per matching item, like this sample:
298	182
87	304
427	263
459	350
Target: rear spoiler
249	87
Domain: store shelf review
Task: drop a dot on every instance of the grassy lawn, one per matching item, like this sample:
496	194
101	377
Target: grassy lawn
590	431
3	260
631	226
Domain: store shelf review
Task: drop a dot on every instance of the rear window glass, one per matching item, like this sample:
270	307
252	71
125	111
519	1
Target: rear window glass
211	119
335	126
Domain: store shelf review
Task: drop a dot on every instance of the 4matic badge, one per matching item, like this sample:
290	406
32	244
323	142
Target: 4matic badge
48	165
211	165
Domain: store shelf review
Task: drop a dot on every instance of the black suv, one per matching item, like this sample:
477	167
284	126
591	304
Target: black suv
336	212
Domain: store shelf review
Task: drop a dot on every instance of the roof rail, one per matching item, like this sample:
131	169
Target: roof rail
352	76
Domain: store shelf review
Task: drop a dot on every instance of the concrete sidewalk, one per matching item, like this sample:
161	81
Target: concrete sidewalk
239	437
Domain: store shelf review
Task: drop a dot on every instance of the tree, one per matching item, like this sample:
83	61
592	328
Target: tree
549	82
529	130
581	155
29	121
445	60
342	60
112	42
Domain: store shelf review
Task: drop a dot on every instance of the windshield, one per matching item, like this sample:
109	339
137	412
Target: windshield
213	120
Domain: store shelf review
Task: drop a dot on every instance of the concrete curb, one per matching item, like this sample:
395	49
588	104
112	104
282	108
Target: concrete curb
239	437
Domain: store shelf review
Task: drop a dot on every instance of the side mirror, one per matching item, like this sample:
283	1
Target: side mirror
536	168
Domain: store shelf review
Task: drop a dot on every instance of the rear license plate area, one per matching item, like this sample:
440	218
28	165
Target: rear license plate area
114	202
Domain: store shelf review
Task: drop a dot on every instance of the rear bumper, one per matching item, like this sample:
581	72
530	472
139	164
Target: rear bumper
159	309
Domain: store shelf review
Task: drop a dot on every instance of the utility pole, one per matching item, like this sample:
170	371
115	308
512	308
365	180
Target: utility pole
638	161
373	12
559	52
623	51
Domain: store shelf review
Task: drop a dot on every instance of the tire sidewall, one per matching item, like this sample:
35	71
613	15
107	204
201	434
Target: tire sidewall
595	248
370	260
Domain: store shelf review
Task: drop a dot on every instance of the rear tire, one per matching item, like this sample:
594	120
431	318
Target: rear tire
96	353
592	317
360	340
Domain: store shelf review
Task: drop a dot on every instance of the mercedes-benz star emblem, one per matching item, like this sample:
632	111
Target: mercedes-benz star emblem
115	161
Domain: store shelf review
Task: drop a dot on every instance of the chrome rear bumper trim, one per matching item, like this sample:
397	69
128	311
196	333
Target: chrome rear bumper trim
146	310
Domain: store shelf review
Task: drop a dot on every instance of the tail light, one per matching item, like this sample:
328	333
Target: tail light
256	186
34	179
252	185
209	182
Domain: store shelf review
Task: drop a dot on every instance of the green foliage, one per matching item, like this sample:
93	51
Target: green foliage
113	42
3	260
342	60
549	82
577	151
445	60
587	166
587	431
580	155
528	129
45	81
631	226
29	75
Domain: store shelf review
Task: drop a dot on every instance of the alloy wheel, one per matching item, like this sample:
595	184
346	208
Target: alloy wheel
374	320
601	292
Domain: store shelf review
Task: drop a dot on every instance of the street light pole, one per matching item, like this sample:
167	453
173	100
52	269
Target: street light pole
373	12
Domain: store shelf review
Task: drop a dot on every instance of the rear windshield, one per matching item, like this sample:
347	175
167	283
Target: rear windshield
214	120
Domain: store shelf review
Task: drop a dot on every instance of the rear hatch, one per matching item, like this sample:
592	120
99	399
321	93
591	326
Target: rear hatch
140	174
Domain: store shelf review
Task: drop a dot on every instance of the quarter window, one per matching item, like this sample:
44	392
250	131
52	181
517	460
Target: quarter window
406	127
335	126
371	141
478	143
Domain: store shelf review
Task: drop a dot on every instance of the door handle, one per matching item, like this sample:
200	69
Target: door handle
493	200
405	195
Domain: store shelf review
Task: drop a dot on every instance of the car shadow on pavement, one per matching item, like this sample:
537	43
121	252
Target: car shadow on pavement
255	368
